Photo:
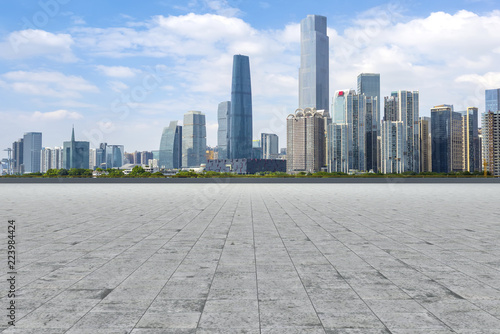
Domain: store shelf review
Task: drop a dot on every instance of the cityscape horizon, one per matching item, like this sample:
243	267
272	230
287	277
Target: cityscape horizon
49	114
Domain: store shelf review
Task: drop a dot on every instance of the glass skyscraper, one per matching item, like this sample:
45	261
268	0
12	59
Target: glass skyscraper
171	147
492	100
369	84
222	132
194	139
76	153
446	136
314	63
32	150
240	117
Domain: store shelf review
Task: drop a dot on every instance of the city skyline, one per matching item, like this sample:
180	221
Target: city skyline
97	78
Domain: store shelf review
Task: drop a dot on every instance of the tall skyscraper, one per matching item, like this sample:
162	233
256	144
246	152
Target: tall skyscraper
425	144
240	117
447	142
369	84
76	153
46	159
171	147
223	112
314	63
32	148
115	155
306	141
270	145
194	140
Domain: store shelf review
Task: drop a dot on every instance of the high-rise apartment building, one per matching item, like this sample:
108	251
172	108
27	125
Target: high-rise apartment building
194	139
403	106
425	144
470	141
346	141
171	147
314	63
75	153
240	117
223	112
306	140
32	148
270	145
393	148
491	141
57	158
46	159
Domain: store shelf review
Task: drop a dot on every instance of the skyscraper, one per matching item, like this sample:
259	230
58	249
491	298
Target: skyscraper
447	143
491	141
314	64
471	147
369	84
306	141
32	149
222	131
115	155
403	106
392	152
425	144
240	117
171	147
17	156
75	153
194	142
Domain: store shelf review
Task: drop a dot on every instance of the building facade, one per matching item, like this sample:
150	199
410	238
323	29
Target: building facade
306	149
223	112
393	148
492	100
314	64
240	117
75	153
171	147
194	139
369	84
470	141
17	156
32	148
425	144
491	141
447	142
269	143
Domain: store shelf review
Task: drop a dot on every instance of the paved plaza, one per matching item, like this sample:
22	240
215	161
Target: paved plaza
253	258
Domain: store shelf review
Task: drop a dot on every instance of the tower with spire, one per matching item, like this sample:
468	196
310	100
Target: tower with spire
76	153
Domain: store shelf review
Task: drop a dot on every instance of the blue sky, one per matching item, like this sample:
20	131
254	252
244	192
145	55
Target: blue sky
121	71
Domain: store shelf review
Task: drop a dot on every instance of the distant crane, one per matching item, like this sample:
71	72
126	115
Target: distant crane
9	166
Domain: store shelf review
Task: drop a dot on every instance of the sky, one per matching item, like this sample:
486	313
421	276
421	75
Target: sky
120	71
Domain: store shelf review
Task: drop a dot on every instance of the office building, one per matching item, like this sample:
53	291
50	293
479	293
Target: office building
115	156
223	112
194	142
171	147
470	141
17	157
492	99
491	141
32	148
75	153
338	148
314	64
447	143
306	149
240	117
425	144
269	143
256	149
369	84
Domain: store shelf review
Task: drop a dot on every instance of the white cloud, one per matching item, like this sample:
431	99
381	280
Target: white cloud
33	43
117	86
117	71
48	84
55	115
